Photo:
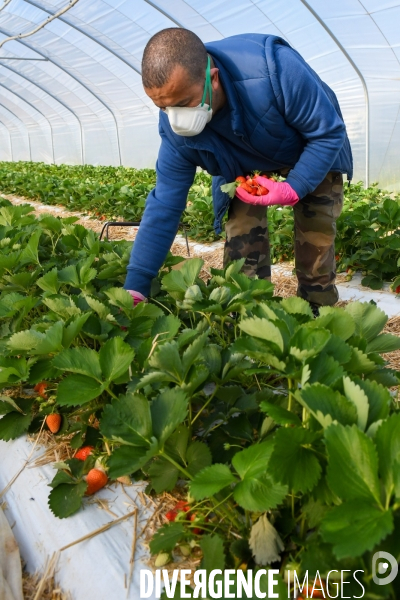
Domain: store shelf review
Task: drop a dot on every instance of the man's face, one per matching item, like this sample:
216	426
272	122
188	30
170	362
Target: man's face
178	91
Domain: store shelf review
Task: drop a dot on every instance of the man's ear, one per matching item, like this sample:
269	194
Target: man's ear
214	73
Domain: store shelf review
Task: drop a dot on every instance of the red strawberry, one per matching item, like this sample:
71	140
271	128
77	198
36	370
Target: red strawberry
40	388
397	290
53	422
182	505
171	515
240	179
96	480
263	190
316	594
84	452
246	187
196	530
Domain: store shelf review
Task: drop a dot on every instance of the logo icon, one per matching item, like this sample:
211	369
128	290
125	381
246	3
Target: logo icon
382	562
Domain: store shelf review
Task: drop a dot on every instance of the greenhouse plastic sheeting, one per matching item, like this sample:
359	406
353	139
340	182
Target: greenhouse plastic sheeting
86	103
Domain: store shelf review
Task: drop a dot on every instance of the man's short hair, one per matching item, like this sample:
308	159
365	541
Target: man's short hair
169	48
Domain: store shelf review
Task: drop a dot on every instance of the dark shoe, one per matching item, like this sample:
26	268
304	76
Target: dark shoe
315	309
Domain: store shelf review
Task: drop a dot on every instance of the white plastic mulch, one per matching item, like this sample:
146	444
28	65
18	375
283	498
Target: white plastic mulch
95	569
353	290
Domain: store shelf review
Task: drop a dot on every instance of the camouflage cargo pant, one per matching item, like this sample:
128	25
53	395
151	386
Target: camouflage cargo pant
315	218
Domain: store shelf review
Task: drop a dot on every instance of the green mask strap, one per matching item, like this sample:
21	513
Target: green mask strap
207	86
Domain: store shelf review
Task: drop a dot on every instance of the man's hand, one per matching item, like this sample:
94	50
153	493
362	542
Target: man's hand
137	297
278	193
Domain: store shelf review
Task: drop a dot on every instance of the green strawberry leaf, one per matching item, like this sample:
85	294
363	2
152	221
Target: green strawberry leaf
176	282
387	440
368	318
337	321
324	369
327	405
121	298
259	493
357	396
229	188
163	475
37	343
166	358
379	399
385	342
66	498
353	464
212	547
210	481
72	330
168	411
49	282
265	542
355	527
128	420
61	477
253	461
115	358
308	342
76	390
129	459
293	461
198	457
165	328
14	424
263	329
279	414
359	362
297	306
166	538
79	360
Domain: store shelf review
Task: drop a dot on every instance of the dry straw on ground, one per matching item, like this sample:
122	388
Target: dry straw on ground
51	591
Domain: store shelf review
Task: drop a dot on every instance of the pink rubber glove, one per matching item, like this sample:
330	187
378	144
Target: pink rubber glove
137	297
280	192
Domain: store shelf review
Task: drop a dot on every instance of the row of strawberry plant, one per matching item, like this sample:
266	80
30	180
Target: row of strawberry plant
104	192
278	428
368	236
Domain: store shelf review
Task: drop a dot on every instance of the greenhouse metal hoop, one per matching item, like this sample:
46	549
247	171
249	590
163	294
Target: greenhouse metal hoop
31	47
37	110
24	125
68	108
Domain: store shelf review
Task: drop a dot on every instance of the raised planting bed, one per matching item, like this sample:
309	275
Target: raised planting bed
276	430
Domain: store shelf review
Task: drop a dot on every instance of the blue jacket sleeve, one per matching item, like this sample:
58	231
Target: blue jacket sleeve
312	109
164	207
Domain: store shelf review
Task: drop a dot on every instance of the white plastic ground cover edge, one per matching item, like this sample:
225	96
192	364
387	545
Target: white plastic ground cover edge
353	291
96	569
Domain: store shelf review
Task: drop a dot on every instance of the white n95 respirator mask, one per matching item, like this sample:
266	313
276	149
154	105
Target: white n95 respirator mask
191	120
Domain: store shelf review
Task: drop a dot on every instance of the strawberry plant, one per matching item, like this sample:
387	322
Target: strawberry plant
280	429
368	237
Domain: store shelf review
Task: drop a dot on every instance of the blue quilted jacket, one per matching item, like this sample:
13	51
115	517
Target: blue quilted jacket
280	108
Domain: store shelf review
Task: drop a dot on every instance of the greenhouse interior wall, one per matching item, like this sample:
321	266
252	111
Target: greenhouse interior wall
79	98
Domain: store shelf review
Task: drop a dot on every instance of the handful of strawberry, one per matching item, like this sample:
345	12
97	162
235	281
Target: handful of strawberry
261	191
251	186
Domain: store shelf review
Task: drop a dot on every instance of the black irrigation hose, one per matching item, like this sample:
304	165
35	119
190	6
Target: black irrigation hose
137	224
